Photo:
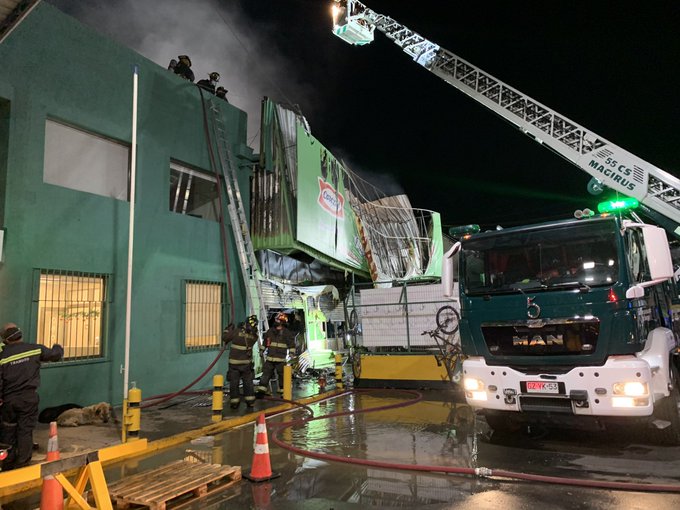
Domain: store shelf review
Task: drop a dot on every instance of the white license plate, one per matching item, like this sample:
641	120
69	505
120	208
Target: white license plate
542	387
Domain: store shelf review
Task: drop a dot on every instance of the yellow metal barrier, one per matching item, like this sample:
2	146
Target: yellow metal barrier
132	415
217	397
287	382
338	371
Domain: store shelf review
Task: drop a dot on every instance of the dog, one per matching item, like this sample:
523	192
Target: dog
91	415
50	414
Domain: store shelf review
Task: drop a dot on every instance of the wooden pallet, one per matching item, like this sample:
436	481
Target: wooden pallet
168	484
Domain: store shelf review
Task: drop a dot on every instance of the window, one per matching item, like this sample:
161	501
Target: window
71	312
203	309
193	193
82	161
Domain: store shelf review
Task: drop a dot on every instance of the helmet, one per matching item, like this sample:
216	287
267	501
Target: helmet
186	59
214	76
252	321
221	91
281	318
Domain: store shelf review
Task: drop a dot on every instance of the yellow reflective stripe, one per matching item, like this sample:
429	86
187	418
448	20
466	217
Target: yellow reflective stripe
269	358
239	347
239	361
278	344
27	354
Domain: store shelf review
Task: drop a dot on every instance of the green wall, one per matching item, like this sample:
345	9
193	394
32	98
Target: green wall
61	70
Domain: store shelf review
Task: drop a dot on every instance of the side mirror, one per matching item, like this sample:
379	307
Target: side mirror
447	270
658	253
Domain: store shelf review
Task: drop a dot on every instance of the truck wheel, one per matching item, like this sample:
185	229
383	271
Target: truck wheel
668	410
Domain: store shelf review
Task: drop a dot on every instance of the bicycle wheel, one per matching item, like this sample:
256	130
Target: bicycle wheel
447	319
353	319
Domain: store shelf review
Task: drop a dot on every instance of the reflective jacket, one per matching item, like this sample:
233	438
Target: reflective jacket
20	366
278	341
242	341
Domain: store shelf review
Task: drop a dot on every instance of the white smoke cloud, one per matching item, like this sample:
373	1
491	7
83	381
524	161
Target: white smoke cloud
217	38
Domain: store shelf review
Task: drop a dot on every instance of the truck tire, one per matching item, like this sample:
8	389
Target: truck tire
668	409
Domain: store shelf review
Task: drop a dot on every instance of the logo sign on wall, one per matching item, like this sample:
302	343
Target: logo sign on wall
325	220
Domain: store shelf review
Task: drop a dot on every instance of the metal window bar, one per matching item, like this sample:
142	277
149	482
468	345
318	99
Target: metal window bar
204	307
71	311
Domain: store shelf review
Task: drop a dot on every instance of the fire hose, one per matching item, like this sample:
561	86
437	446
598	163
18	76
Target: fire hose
482	472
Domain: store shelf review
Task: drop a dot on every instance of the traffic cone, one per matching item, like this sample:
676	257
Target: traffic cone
52	495
262	468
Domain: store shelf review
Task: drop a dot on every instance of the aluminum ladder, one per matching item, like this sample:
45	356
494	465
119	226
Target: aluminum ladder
237	216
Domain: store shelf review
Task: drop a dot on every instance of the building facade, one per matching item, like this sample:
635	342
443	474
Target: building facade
65	140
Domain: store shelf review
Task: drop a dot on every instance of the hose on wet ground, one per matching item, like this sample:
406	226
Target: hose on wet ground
482	472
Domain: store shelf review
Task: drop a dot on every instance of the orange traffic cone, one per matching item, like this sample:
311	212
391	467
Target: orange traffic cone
52	495
262	468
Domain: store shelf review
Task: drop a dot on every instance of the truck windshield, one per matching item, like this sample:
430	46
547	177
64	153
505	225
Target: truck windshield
582	254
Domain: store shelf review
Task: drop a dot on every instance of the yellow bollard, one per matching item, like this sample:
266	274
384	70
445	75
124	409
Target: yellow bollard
338	371
217	397
287	382
132	415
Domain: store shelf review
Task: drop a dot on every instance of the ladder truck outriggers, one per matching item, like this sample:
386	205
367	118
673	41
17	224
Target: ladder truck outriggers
566	321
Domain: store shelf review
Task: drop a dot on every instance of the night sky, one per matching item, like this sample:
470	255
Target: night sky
611	66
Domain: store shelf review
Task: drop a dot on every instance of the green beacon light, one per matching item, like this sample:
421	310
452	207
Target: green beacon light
620	205
463	230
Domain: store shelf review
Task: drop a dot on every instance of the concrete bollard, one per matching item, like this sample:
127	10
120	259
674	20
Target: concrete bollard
217	397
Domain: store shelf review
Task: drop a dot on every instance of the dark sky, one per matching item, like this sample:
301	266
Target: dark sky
611	66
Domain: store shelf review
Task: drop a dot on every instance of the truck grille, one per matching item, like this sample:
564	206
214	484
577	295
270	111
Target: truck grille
549	337
546	404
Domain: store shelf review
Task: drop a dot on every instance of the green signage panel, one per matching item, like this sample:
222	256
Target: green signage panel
325	220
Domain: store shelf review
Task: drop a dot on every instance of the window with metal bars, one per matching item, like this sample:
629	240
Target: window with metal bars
204	307
72	309
192	192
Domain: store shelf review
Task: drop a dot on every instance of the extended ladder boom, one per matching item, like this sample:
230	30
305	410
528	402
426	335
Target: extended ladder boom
608	163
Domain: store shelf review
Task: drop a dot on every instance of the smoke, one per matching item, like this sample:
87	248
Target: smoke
217	37
386	183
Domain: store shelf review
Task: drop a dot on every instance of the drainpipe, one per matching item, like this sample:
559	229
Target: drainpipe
131	231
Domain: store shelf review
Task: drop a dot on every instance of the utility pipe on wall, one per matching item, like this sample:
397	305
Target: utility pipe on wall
128	302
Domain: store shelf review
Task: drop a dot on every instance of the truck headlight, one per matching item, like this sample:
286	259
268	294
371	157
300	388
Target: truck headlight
472	384
631	389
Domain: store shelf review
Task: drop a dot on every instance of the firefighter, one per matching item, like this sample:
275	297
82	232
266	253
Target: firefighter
183	68
279	340
19	381
221	92
242	341
211	83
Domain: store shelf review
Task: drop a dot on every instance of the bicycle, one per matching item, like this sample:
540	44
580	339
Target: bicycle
450	351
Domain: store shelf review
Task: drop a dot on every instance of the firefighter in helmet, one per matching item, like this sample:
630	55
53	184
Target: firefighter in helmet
278	340
242	339
183	68
211	83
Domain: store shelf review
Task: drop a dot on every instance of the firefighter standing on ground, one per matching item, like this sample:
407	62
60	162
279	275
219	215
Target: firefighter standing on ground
278	340
19	381
241	360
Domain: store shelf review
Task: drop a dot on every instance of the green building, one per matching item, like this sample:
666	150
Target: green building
65	140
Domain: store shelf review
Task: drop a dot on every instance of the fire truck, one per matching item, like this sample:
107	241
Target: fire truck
566	321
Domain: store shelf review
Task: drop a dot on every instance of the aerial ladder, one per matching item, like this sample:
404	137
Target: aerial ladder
237	216
609	165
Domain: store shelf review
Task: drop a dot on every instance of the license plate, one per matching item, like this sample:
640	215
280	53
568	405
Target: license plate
542	387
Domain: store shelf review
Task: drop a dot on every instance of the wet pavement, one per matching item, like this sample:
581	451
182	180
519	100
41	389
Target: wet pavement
433	432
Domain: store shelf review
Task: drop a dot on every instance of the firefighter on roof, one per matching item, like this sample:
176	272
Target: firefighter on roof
242	339
211	83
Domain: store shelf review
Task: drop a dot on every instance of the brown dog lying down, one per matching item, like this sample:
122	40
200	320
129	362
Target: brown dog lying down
90	415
